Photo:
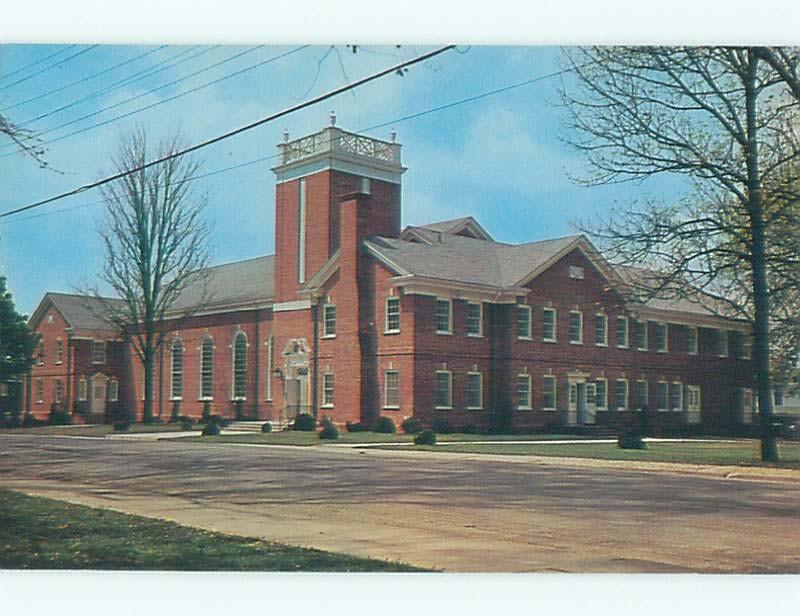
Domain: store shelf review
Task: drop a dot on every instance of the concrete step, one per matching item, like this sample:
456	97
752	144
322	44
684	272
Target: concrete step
253	426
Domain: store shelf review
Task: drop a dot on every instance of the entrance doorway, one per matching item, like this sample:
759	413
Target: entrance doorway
296	375
98	394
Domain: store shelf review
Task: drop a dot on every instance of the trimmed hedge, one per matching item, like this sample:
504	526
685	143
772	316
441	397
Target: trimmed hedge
411	425
305	422
384	425
631	440
356	426
212	429
266	427
426	437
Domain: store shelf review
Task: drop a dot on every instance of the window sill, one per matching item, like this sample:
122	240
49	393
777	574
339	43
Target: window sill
474	335
549	410
442	408
392	407
528	338
576	342
438	333
643	350
205	399
390	332
326	406
58	363
524	408
601	344
661	351
552	340
180	399
474	408
238	399
663	410
328	337
625	347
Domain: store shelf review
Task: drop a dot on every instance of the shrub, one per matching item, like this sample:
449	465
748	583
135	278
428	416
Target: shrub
305	422
329	431
29	421
441	426
469	429
426	437
631	440
59	418
186	422
122	425
206	412
384	425
211	429
219	420
411	425
11	421
355	426
266	427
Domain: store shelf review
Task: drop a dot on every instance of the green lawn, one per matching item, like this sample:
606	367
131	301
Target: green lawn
743	452
95	430
40	533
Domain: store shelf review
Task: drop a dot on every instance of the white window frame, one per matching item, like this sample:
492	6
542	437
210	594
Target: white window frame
270	343
625	405
449	331
580	328
207	338
479	334
386	374
549	378
112	390
665	407
646	404
394	300
527	379
470	375
554	312
58	391
40	355
39	391
176	341
99	344
665	326
572	396
646	326
624	319
679	408
747	345
59	351
450	390
239	334
83	389
692	340
722	341
604	406
328	390
525	308
325	309
693	389
576	272
601	317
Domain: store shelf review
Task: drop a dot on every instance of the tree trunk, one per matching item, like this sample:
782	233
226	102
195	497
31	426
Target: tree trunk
769	446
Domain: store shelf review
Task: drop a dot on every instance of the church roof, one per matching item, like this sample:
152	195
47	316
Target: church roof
81	312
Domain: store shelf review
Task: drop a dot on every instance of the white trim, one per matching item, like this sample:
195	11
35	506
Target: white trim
480	390
325	404
311	166
723	342
638	323
580	329
300	304
176	340
38	390
115	382
236	337
480	320
680	397
658	402
386	389
82	381
604	317
270	344
325	334
660	324
449	330
529	405
386	315
529	310
94	352
646	404
626	405
604	407
693	340
555	324
545	379
627	344
210	338
450	390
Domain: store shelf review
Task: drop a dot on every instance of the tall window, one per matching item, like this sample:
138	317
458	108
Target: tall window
722	342
676	396
207	368
474	319
177	369
240	366
83	386
391	389
444	314
474	390
59	351
524	392
622	332
301	231
601	330
549	393
327	389
601	394
113	390
549	325
270	353
576	327
392	315
99	351
443	394
524	330
661	337
58	392
40	354
329	321
662	395
621	394
640	334
691	340
642	395
40	390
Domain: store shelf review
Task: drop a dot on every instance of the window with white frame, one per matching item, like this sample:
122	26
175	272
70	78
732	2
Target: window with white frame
474	390
622	332
524	392
549	399
601	394
58	392
676	396
575	327
391	389
642	395
524	326
270	360
329	321
640	335
549	318
662	396
39	391
83	388
113	390
691	340
40	354
392	315
747	345
661	337
722	342
207	368
601	329
576	272
572	397
443	393
59	351
474	319
240	366
444	316
621	394
99	351
327	389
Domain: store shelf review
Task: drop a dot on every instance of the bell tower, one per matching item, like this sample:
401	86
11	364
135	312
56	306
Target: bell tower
313	175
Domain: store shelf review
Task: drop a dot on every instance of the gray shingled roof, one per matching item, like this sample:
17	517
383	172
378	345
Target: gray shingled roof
463	259
82	312
233	284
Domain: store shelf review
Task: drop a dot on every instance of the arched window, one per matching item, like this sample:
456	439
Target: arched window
207	368
177	369
240	366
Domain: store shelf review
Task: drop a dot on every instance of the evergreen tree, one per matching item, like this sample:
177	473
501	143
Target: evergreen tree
17	341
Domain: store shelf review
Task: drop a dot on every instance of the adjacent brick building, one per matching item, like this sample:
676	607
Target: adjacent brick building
355	317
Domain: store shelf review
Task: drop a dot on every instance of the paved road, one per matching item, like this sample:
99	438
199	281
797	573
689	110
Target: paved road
447	511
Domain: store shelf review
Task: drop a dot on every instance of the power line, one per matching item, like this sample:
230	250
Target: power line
232	133
166	100
85	79
47	68
39	61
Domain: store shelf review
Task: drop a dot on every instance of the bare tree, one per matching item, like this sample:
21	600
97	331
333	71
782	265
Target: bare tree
155	242
725	120
26	139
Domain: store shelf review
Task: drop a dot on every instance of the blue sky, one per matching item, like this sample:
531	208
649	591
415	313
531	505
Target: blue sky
500	159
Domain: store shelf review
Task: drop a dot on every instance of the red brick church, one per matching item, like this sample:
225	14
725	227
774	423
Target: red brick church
355	317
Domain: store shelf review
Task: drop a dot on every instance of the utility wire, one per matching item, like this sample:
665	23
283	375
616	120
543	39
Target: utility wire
163	101
37	62
47	68
231	133
85	79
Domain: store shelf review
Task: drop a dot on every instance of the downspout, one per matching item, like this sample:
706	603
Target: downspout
257	363
69	404
315	361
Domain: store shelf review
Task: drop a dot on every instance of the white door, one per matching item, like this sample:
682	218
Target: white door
98	394
693	404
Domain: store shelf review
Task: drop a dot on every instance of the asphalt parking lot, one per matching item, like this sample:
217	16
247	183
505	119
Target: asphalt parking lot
449	511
